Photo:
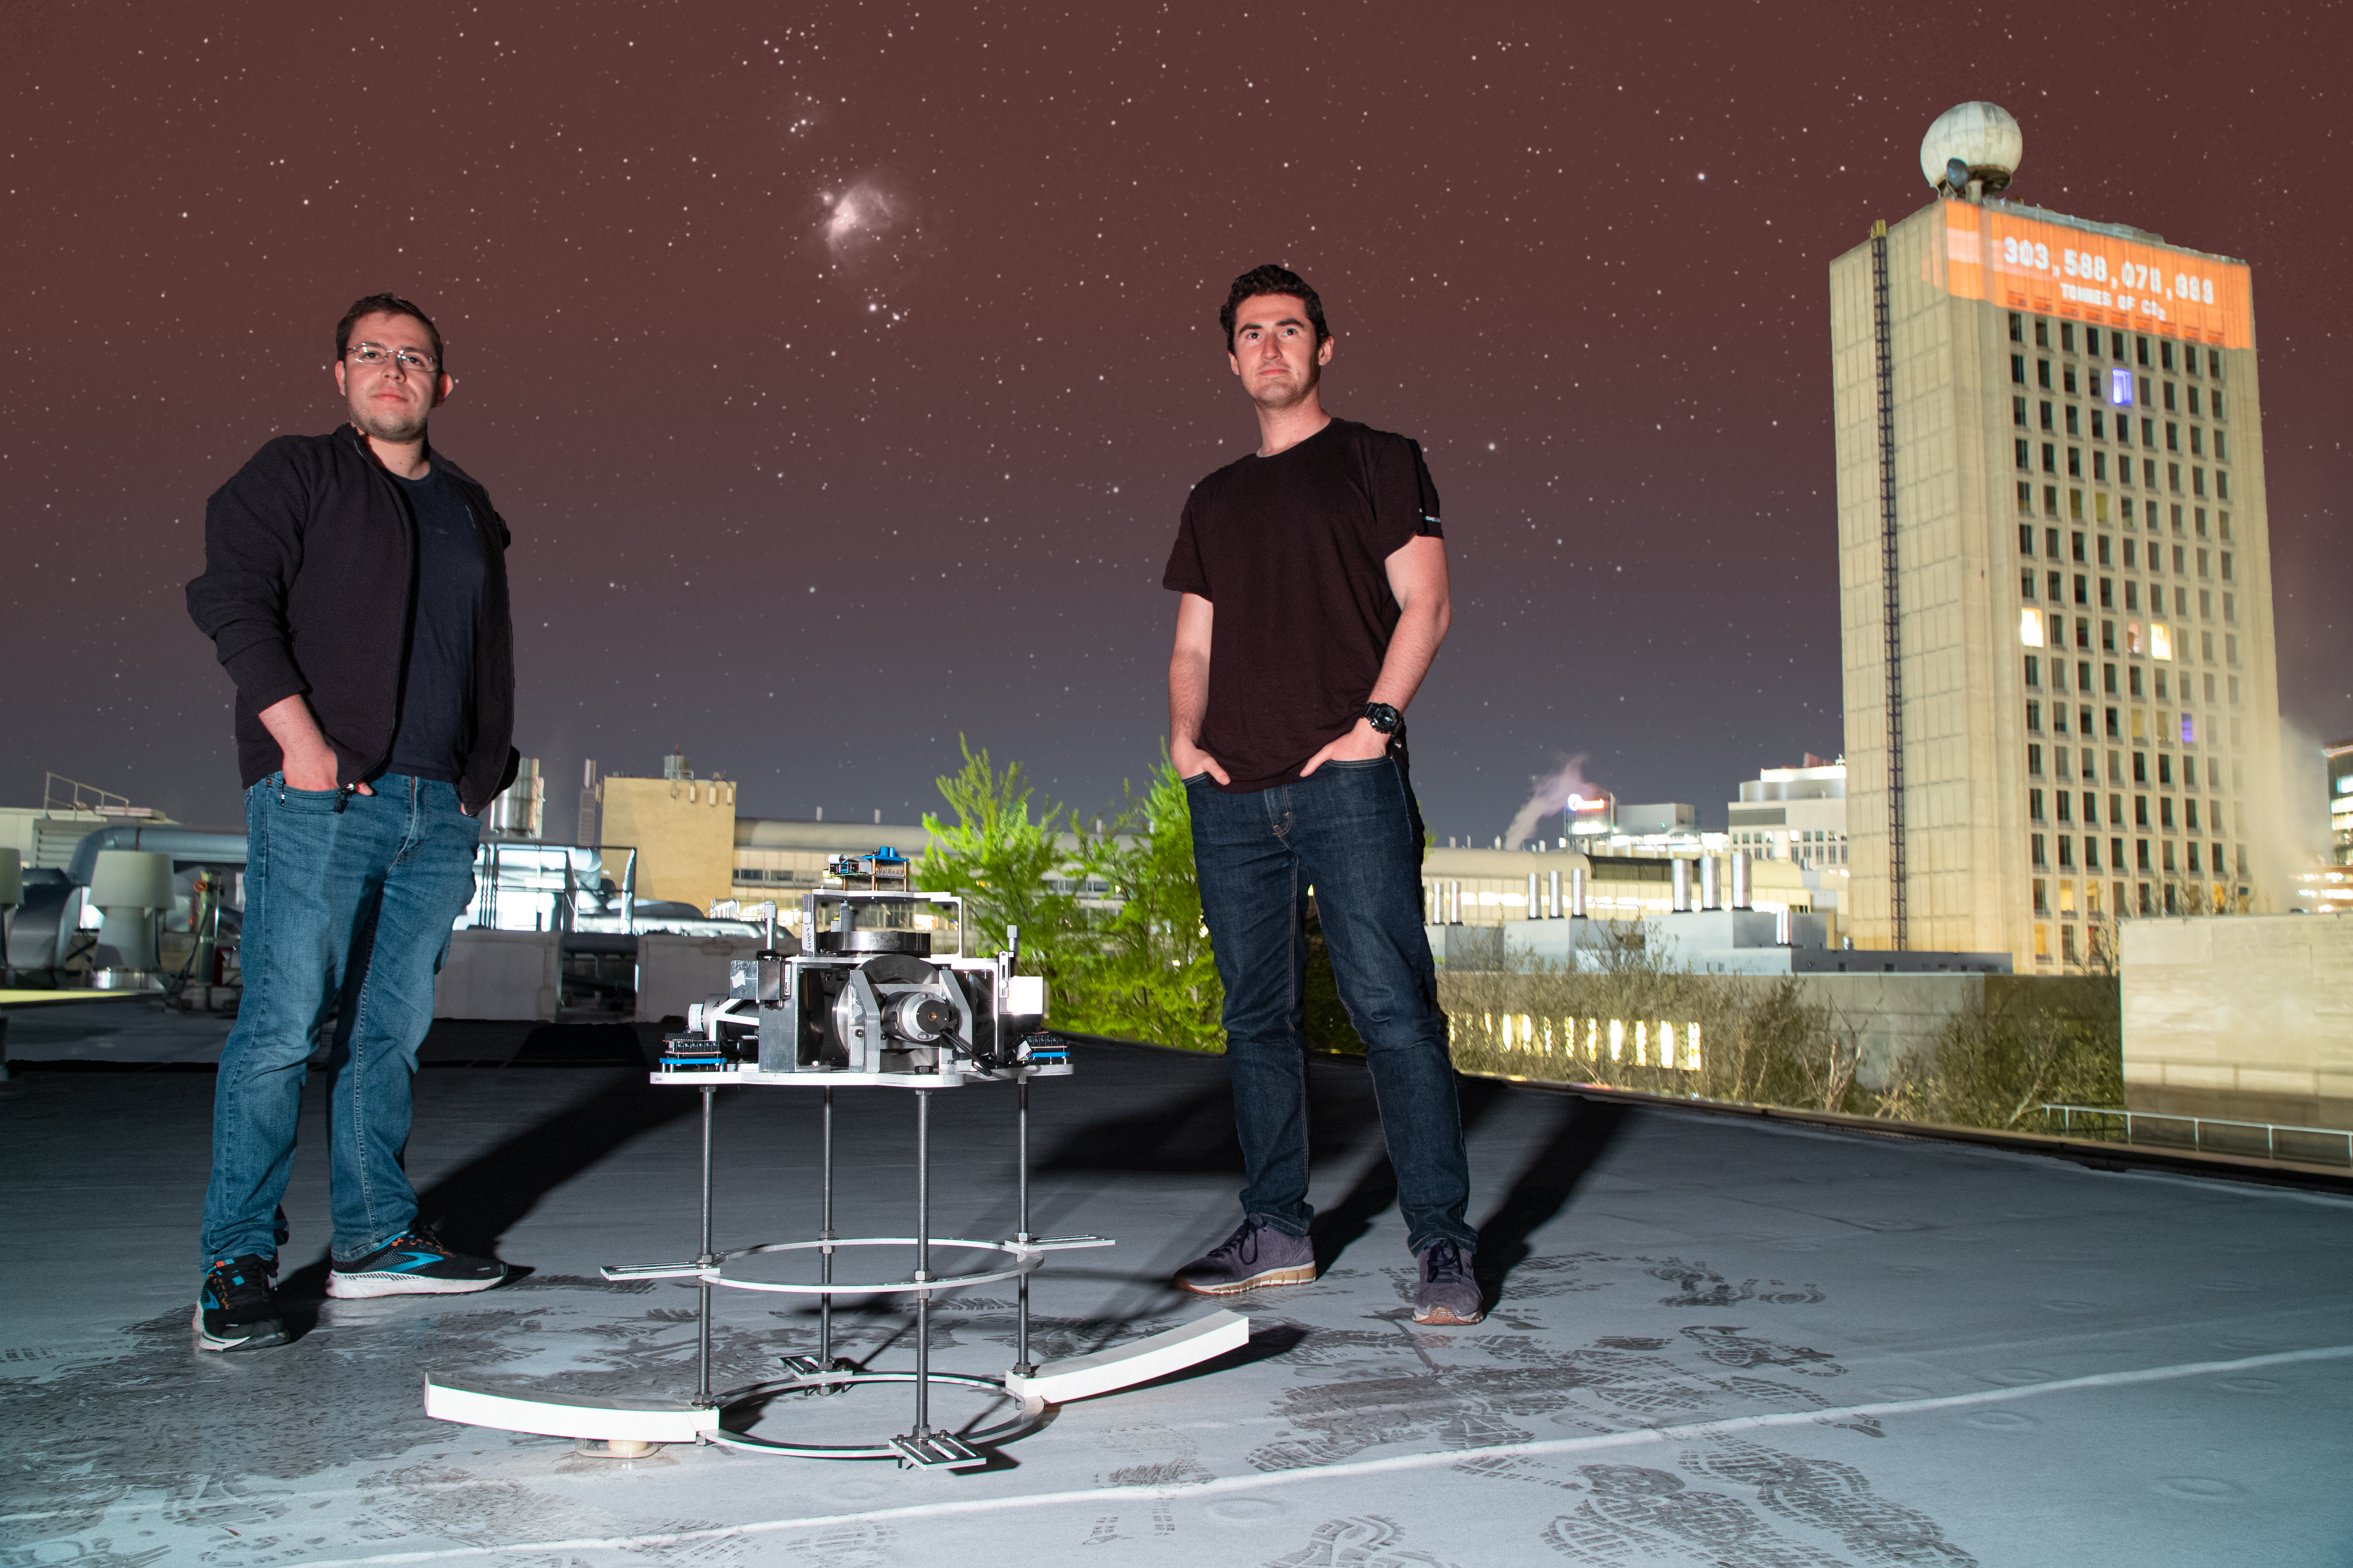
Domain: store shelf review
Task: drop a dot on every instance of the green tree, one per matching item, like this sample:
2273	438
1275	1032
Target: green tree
1150	973
1012	868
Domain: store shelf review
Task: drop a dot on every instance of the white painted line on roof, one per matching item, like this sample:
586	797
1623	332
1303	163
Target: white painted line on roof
1688	1432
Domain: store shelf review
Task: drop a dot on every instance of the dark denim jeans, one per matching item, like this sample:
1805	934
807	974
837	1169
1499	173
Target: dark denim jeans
349	900
1350	832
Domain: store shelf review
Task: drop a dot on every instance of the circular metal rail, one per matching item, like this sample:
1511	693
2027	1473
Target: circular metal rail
1028	1261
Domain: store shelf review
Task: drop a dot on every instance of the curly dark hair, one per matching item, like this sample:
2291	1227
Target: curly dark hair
386	305
1271	279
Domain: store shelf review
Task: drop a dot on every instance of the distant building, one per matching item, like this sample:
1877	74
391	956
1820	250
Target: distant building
1794	814
780	859
2055	565
1623	879
1671	817
1798	815
683	829
2324	885
2339	754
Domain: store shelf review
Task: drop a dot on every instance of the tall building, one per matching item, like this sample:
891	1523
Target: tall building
2054	573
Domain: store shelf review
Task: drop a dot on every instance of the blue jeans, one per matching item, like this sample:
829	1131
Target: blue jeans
1351	832
349	903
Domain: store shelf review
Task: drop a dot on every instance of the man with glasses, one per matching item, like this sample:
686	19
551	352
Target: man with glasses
355	588
1314	587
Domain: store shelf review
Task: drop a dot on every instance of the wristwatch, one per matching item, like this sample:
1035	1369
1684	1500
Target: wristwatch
1383	718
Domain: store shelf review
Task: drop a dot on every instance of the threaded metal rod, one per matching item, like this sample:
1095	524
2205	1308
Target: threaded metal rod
705	1259
922	1262
1021	1290
824	1254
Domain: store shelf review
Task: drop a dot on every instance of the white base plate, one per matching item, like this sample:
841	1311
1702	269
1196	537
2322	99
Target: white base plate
1141	1361
587	1416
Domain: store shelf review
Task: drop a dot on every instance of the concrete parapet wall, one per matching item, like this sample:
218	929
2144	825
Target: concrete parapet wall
2245	1016
1899	1016
1892	1019
513	975
676	971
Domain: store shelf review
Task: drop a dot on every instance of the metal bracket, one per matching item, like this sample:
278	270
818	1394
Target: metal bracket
821	1376
935	1451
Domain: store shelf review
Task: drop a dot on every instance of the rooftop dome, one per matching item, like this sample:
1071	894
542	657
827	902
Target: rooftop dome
1980	136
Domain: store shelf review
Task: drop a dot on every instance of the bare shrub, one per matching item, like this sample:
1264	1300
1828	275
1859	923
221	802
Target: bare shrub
1997	1067
1627	1020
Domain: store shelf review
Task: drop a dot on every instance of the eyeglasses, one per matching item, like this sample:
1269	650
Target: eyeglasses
378	355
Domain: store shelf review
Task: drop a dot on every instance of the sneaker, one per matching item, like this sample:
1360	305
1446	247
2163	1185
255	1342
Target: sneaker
414	1263
234	1310
1447	1293
1255	1255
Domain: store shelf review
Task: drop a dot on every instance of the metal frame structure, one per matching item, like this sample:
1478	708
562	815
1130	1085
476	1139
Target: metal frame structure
922	1445
627	1426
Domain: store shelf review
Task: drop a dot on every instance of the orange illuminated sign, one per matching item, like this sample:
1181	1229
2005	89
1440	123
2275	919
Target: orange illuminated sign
2027	264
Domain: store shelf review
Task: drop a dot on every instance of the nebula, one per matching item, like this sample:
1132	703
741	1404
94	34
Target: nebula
876	236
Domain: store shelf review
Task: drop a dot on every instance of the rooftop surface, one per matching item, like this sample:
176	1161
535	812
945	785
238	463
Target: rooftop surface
1715	1341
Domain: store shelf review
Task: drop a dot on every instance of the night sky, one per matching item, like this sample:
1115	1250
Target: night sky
810	508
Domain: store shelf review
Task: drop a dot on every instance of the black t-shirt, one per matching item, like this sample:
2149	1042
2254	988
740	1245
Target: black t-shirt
436	729
1292	550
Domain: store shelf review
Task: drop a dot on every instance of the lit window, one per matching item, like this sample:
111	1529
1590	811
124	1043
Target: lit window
2030	627
2161	640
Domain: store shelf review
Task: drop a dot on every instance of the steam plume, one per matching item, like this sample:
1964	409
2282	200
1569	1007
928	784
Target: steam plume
1548	794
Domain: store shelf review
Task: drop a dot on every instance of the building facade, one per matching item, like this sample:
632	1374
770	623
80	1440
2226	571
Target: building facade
2339	757
2062	700
1797	815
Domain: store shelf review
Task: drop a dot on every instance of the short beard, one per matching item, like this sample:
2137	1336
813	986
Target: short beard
398	433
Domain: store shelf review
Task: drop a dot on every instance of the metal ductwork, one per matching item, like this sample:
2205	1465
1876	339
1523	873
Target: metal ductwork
185	846
132	887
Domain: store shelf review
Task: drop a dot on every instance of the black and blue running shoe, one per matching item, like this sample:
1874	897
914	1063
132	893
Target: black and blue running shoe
234	1310
414	1263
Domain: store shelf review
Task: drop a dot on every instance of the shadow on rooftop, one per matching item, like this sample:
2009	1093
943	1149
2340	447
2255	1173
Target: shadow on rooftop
1583	1130
476	1205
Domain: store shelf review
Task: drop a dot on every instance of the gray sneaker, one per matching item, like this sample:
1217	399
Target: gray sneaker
1257	1253
1447	1293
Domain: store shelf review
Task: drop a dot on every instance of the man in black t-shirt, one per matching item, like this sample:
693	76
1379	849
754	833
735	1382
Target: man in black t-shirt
355	587
1315	595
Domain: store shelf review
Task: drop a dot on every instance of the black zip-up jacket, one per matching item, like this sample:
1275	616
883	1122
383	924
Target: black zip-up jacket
310	588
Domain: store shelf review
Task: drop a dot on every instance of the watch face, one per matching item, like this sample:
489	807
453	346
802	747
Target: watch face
1383	718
